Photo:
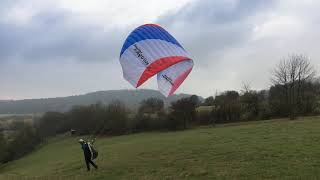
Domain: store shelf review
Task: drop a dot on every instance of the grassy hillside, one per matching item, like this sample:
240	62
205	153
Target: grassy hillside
277	149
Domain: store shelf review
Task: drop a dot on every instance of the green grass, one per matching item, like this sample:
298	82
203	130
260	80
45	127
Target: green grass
276	149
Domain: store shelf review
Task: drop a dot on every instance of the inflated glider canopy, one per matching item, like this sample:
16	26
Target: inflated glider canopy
151	50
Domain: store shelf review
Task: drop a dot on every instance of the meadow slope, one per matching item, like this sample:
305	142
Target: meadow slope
275	149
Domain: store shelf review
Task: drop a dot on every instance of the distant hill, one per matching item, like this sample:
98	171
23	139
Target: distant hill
131	98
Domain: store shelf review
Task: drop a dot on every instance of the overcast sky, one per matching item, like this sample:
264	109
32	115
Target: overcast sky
51	48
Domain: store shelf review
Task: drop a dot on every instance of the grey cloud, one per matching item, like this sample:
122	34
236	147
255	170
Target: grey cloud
9	41
55	35
220	38
217	12
207	28
219	35
52	35
5	4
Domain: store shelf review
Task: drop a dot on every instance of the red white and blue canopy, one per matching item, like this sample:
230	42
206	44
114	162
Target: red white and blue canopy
151	50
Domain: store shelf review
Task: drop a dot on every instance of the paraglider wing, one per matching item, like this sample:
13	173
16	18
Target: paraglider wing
171	78
149	50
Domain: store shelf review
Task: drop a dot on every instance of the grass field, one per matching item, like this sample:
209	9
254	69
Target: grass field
276	149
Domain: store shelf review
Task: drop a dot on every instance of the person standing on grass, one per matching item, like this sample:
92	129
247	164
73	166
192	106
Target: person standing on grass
87	151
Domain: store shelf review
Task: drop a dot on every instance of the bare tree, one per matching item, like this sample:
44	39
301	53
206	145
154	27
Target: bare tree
306	73
291	73
246	87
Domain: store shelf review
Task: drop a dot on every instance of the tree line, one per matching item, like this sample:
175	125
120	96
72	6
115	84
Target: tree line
24	140
295	91
116	119
96	119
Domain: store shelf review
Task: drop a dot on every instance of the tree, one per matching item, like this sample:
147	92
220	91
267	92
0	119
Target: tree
249	105
52	123
114	120
245	87
227	107
151	105
80	119
3	144
317	99
25	141
195	100
290	75
209	101
183	111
